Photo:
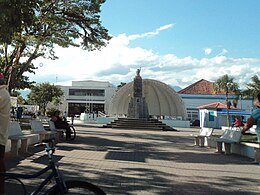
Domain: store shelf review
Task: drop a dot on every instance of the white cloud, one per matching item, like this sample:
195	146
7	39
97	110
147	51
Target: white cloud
207	51
77	64
150	34
223	52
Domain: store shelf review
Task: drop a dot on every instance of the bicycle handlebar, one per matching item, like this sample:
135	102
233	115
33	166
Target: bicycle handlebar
46	143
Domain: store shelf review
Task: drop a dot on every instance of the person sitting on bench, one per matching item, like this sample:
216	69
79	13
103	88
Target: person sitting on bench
254	119
61	124
237	123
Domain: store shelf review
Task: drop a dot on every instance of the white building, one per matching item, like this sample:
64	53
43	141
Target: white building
93	96
201	93
87	96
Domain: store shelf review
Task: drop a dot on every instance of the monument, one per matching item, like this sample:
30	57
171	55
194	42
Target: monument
137	107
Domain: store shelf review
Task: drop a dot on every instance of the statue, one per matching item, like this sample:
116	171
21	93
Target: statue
138	72
138	84
137	107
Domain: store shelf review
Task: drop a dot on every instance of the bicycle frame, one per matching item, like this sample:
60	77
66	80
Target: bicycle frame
51	166
54	174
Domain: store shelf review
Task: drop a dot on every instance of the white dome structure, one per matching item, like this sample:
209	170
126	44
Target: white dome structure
161	99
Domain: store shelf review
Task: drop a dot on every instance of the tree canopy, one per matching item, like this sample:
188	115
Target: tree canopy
44	93
253	88
226	84
32	28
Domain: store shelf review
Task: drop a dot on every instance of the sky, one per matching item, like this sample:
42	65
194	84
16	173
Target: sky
177	42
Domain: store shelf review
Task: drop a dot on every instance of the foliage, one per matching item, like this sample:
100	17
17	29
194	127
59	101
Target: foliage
227	85
13	16
32	28
21	101
50	111
15	94
121	85
253	88
42	94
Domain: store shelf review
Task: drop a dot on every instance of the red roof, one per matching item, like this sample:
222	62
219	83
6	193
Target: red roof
215	105
200	87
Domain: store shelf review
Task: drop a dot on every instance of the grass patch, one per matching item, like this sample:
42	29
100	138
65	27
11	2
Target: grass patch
245	138
249	138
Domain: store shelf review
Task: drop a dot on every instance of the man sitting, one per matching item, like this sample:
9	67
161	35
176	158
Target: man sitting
61	124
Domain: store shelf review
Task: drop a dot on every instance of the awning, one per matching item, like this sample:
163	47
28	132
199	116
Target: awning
234	112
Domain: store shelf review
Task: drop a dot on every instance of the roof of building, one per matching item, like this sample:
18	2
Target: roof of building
200	87
215	105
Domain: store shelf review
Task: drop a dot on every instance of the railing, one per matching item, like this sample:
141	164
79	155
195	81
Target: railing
101	114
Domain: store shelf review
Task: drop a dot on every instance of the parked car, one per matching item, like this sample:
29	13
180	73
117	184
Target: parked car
195	123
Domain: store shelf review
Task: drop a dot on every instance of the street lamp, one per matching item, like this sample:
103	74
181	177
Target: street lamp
228	87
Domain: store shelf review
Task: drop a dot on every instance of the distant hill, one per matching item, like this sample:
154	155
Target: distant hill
24	93
176	88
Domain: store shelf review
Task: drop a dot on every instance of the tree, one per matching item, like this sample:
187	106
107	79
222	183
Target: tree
226	85
253	88
15	14
121	85
42	94
32	29
21	101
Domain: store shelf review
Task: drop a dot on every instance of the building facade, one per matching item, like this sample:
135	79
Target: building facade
87	97
202	92
99	96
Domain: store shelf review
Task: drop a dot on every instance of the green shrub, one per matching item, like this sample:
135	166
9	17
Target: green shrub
50	111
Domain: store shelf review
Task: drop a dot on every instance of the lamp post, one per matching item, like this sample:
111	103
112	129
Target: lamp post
228	86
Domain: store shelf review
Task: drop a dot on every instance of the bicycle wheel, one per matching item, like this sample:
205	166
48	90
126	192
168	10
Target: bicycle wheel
78	187
72	133
14	186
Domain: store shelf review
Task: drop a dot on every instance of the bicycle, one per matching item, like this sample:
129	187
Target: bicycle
62	132
60	187
72	133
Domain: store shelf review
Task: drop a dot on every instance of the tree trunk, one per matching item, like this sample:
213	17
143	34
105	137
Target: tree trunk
228	117
14	64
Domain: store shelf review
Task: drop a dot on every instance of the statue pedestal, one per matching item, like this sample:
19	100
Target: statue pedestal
138	108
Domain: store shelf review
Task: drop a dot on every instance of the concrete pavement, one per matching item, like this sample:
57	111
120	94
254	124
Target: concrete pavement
143	162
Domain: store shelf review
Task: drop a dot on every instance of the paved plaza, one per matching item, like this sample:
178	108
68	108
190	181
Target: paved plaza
146	162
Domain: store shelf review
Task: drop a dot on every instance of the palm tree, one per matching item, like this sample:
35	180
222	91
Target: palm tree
225	84
253	88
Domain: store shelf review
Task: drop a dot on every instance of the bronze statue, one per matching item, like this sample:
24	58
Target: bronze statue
138	72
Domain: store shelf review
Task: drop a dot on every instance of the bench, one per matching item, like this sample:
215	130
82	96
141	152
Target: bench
15	134
230	136
256	148
204	132
38	128
60	132
44	120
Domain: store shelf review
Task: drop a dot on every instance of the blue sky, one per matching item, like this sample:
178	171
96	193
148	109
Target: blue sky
230	24
175	41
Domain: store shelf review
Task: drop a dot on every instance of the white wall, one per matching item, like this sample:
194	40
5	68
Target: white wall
195	100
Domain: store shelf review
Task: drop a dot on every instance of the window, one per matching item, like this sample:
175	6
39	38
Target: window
211	116
87	92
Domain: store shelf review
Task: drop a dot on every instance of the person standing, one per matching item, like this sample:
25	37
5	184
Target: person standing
254	119
5	106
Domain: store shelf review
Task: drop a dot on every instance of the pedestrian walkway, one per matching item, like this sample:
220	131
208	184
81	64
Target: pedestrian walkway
143	162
